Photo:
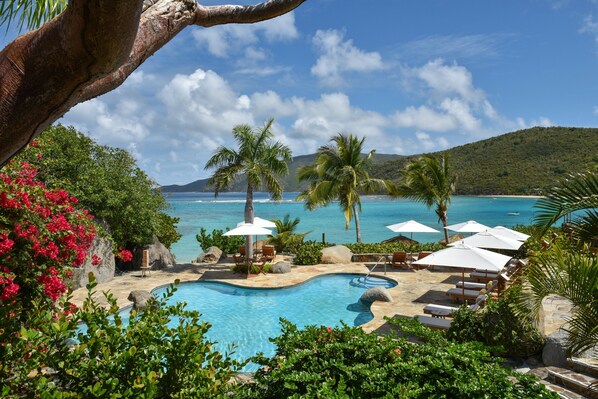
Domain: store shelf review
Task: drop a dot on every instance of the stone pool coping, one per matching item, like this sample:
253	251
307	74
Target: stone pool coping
414	290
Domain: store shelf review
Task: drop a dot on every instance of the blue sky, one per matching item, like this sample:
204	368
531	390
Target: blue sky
410	76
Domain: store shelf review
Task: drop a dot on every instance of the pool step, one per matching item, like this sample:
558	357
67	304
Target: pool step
368	282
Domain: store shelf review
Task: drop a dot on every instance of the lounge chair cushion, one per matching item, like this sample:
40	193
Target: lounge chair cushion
434	322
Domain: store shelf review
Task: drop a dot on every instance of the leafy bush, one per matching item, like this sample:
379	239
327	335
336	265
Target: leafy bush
307	252
107	182
228	244
255	269
285	233
363	248
498	326
150	357
345	362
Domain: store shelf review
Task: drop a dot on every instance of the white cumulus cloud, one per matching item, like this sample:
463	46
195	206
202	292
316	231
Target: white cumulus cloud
338	56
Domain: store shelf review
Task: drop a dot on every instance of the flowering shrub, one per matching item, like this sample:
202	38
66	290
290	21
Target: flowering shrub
124	254
42	235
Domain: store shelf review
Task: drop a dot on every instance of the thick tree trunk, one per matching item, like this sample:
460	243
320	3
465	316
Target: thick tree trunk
357	225
90	49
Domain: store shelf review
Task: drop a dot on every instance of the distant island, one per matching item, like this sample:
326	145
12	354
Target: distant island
525	162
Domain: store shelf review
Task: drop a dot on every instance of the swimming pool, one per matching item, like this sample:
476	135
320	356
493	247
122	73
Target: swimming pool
247	317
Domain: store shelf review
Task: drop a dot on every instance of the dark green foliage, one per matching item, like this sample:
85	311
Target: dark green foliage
285	233
524	162
255	269
228	244
345	362
497	325
148	358
364	248
307	252
107	182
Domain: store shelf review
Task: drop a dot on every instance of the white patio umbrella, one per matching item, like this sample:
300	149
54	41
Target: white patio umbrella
411	226
471	226
247	229
466	257
490	240
257	221
514	234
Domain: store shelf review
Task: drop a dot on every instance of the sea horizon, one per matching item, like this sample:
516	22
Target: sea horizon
202	209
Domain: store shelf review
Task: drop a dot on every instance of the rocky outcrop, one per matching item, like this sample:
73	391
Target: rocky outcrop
212	255
103	272
139	299
337	254
555	349
376	294
158	255
281	267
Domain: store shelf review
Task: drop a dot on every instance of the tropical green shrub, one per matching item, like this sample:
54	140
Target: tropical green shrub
346	362
148	357
498	325
228	244
363	248
285	233
307	252
255	269
107	182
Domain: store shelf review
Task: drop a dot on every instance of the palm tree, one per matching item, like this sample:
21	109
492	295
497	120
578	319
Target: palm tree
575	198
258	159
573	275
340	172
429	180
285	232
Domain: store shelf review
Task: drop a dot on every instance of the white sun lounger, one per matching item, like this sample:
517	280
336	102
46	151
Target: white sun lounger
434	323
482	276
445	311
471	286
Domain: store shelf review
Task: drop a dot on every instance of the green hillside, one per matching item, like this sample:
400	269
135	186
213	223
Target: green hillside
524	162
290	182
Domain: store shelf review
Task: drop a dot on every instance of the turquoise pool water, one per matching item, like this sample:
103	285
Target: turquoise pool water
247	317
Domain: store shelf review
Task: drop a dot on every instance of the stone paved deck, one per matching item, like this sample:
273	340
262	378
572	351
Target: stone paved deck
414	290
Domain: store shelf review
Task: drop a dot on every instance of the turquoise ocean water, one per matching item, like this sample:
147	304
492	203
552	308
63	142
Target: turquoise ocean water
197	210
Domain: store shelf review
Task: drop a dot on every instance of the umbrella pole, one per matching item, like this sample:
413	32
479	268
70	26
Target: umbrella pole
463	283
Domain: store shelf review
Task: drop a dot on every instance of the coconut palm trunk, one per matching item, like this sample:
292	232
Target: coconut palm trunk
357	224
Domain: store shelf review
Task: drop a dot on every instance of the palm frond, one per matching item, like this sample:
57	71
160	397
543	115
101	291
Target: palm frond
574	196
29	14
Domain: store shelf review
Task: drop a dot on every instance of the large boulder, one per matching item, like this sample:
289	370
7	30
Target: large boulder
337	254
212	255
139	299
281	267
158	255
376	294
103	272
555	349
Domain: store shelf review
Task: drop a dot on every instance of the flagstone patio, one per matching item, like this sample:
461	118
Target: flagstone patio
414	290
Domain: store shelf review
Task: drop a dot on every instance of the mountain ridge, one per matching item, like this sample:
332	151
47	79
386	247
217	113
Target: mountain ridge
524	162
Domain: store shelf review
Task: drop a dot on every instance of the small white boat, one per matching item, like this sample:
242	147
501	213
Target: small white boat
513	213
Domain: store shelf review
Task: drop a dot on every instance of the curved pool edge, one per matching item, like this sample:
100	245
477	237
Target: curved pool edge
301	275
